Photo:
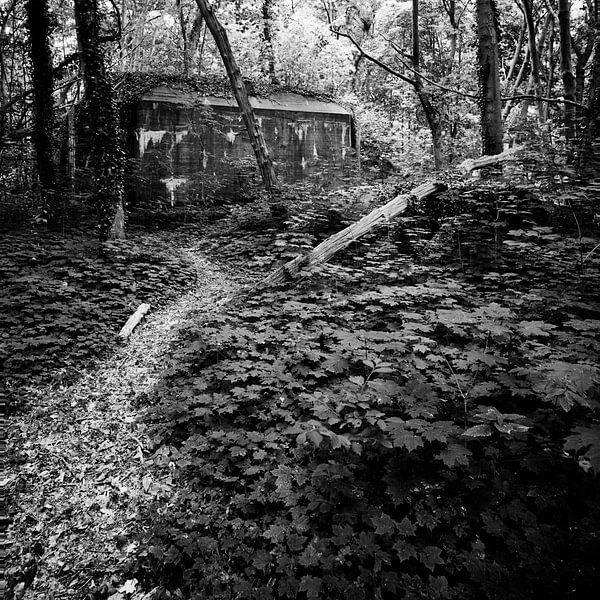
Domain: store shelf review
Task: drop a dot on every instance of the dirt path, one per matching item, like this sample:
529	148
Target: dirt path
85	470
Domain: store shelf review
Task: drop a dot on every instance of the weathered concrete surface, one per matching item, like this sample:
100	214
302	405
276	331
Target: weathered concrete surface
189	144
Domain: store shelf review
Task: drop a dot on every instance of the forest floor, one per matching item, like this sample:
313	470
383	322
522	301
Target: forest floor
364	429
85	465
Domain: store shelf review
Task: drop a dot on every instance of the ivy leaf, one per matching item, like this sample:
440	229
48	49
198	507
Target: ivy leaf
357	380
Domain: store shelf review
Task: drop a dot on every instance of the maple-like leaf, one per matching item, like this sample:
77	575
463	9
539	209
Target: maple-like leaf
454	455
536	328
430	556
588	439
261	560
311	585
405	550
383	524
406	528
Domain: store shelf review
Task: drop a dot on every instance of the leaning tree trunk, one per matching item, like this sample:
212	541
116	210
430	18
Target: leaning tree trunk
38	24
106	155
257	139
566	68
489	78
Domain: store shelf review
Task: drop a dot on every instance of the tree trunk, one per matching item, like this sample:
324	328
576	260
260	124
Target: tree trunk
594	107
268	51
566	68
257	139
534	55
38	23
509	103
489	78
340	240
101	119
515	59
435	127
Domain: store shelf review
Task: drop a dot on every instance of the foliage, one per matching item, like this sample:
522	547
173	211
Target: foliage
63	304
380	431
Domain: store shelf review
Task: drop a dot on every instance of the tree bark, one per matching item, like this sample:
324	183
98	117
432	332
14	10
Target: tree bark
431	116
534	55
566	67
325	250
594	107
38	23
101	119
268	51
489	78
257	139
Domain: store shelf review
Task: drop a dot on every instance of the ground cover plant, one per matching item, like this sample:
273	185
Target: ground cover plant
65	297
417	419
378	430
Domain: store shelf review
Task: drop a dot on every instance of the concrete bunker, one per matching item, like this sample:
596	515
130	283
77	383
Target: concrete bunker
189	145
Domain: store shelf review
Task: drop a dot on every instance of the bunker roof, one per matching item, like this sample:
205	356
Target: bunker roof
276	101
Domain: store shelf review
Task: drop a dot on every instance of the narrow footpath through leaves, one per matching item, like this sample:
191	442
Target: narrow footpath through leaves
84	466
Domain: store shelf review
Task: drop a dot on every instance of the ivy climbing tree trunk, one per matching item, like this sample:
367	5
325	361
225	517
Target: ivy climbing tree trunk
101	122
566	68
38	24
268	50
257	139
489	78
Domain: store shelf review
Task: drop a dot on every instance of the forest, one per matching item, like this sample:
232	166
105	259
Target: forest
300	299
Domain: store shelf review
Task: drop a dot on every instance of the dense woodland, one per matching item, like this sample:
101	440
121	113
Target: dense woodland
376	384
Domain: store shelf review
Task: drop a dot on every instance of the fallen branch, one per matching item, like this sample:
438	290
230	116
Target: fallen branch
326	249
485	161
133	320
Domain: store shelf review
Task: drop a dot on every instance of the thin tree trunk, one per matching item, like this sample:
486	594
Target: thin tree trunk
424	96
551	69
38	23
566	67
257	139
535	87
515	59
489	78
594	106
509	104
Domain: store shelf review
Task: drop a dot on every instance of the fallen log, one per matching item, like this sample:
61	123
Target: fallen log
326	249
472	164
133	321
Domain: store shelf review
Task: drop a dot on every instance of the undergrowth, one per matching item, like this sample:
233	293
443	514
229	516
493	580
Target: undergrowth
417	419
64	302
376	430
